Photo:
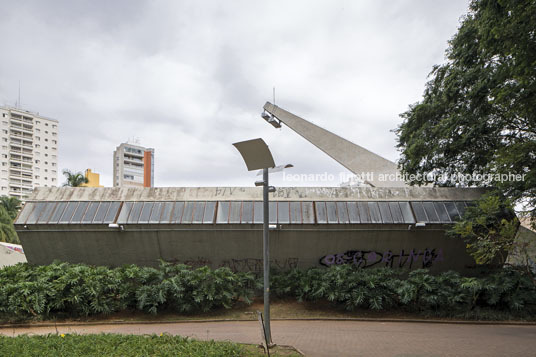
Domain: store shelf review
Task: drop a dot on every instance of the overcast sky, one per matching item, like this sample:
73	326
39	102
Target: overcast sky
189	78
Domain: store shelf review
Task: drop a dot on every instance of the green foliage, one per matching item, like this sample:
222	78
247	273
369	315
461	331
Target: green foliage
11	204
81	290
489	229
115	345
71	290
74	179
7	230
478	112
447	294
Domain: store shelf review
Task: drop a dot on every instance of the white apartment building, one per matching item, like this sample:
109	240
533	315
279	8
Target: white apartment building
133	166
28	152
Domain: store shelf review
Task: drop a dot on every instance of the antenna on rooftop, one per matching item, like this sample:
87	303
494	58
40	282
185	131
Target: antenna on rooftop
18	103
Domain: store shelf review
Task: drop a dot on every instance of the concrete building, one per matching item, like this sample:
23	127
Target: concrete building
133	166
93	179
29	152
222	226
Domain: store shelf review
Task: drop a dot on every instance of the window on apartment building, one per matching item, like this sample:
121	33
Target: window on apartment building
36	145
46	147
46	155
37	138
5	123
53	164
53	179
54	134
37	130
4	163
37	177
3	115
46	162
46	178
54	141
46	124
36	161
5	139
46	132
4	156
46	170
4	131
46	139
54	126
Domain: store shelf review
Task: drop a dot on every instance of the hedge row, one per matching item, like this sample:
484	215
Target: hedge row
505	290
77	289
80	290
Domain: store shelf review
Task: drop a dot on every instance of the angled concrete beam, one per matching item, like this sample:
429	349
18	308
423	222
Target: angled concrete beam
372	168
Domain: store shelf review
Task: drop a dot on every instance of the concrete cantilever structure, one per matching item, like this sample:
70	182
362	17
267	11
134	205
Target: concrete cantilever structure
374	169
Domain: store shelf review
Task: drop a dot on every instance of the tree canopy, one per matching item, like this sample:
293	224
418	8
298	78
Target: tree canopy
478	111
11	204
74	179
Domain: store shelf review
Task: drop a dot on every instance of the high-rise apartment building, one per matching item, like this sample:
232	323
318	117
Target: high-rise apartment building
28	152
133	166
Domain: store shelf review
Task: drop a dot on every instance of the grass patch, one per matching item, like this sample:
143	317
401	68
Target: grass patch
119	345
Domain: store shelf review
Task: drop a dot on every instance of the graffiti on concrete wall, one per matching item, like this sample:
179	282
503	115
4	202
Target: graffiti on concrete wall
256	265
424	258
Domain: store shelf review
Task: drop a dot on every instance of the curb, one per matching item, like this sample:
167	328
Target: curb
357	319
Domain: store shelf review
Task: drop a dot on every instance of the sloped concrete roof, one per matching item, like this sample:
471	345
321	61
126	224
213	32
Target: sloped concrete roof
254	193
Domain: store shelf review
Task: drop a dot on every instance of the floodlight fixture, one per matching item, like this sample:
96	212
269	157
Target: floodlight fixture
420	224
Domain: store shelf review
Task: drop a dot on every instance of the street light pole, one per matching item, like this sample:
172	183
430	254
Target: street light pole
266	251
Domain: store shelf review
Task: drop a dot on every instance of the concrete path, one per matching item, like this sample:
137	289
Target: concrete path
341	338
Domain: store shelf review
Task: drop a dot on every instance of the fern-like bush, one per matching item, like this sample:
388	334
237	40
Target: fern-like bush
82	290
71	290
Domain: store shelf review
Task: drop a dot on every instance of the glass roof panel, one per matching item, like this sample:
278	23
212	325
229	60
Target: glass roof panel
79	213
36	212
45	215
283	213
342	212
90	213
125	211
68	212
60	207
208	217
406	212
25	212
364	214
452	211
308	213
222	215
156	212
236	208
442	212
178	212
321	212
167	210
188	213
101	212
272	209
295	213
258	212
112	212
385	212
247	212
353	213
418	209
430	212
146	212
374	210
396	212
134	215
332	212
199	211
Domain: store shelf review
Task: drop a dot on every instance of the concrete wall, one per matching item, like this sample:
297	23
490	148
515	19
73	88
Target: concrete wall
239	247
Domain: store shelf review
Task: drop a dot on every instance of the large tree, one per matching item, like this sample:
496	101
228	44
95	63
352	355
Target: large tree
11	204
478	112
74	179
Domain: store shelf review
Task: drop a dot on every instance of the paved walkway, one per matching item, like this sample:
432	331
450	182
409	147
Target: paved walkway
342	338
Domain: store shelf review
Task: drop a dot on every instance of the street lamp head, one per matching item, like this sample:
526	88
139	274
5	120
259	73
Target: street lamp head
266	116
